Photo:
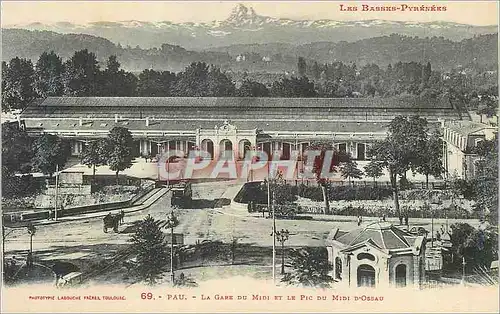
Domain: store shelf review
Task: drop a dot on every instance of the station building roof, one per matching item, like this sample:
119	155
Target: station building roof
343	115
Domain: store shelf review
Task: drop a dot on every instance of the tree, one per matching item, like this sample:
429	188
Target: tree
120	148
401	150
18	84
484	148
427	71
116	82
219	85
155	83
316	71
431	158
317	166
281	192
251	88
485	184
16	150
478	247
374	169
387	153
350	170
301	67
95	154
310	268
201	80
152	253
49	71
82	76
487	105
482	188
293	87
328	89
49	151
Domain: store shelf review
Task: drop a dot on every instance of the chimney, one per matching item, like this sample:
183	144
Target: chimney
81	121
116	118
147	121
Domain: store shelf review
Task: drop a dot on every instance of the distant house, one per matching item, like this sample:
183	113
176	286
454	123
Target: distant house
460	137
378	255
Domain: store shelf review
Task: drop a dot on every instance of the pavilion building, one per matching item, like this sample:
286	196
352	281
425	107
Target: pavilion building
378	255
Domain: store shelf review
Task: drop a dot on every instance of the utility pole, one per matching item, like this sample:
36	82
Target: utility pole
172	222
168	164
271	211
158	150
432	227
57	192
274	238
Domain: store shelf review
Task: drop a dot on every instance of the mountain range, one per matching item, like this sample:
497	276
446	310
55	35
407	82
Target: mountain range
443	53
245	26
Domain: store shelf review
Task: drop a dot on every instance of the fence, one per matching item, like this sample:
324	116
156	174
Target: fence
435	185
44	214
367	211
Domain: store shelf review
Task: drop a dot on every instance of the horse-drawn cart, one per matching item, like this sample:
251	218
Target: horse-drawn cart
112	221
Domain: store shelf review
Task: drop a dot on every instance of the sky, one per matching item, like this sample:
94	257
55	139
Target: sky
80	12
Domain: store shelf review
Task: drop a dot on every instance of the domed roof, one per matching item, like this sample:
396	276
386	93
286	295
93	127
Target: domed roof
383	234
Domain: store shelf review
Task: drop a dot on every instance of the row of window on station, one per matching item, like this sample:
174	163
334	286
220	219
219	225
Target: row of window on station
151	148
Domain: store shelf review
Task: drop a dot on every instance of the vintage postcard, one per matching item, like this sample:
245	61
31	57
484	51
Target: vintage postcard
292	156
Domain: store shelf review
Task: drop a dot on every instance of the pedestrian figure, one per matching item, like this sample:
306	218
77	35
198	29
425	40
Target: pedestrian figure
122	216
383	217
359	220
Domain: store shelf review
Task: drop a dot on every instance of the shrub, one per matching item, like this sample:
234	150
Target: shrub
310	268
346	193
21	186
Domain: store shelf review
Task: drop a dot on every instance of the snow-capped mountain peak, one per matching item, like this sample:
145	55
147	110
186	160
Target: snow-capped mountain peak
241	12
244	26
244	16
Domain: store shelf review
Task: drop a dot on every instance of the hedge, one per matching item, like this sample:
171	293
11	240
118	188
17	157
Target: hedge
345	193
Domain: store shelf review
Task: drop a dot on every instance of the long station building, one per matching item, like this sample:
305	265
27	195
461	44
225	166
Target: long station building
219	124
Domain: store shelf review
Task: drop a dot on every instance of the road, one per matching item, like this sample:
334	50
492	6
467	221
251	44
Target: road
84	241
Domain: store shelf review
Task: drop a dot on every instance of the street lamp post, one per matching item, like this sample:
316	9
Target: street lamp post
57	192
31	230
252	150
158	145
463	270
282	236
172	222
158	150
271	211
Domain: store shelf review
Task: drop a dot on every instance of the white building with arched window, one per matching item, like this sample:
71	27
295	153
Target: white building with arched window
216	124
378	255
